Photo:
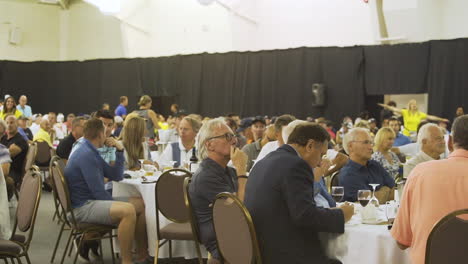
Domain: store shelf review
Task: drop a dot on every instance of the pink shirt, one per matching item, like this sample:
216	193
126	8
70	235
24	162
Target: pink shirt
433	190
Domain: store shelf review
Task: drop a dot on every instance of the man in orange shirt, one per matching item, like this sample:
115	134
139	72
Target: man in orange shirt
433	190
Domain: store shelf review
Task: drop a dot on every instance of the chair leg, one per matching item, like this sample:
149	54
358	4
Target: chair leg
27	258
66	247
170	249
19	260
112	247
57	243
197	247
80	244
156	252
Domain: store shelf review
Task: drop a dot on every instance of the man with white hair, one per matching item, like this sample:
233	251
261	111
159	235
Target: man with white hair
23	107
432	142
360	171
216	146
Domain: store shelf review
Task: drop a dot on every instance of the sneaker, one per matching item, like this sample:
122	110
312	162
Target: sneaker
84	250
94	252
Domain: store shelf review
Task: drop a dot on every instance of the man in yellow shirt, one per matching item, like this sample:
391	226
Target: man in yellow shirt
45	133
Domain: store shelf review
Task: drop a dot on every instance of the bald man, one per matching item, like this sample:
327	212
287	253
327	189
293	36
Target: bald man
23	107
45	133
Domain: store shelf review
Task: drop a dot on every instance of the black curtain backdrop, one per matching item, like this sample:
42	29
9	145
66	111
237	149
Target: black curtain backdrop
251	83
448	77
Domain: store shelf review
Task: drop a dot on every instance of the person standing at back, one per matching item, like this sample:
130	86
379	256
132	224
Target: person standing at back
121	110
149	115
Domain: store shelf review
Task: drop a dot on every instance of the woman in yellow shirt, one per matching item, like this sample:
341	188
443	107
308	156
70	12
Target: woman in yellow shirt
412	117
10	109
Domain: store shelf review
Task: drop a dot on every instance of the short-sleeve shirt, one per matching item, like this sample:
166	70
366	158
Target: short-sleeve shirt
208	181
65	146
121	110
17	114
433	190
354	177
411	121
18	160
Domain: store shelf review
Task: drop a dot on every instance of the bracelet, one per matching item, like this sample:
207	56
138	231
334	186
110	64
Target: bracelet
242	177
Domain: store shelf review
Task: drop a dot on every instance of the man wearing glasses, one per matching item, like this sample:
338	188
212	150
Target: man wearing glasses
360	171
216	146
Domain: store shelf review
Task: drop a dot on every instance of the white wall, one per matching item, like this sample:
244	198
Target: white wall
89	34
455	19
39	25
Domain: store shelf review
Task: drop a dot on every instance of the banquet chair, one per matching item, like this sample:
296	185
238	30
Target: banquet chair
448	240
99	232
334	180
54	189
170	202
28	204
193	218
235	231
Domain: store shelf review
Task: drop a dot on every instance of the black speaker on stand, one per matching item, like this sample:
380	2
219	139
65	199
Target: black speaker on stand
319	95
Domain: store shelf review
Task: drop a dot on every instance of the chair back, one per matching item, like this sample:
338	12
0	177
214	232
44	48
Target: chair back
28	204
188	204
334	180
170	195
30	157
43	153
235	231
63	194
448	240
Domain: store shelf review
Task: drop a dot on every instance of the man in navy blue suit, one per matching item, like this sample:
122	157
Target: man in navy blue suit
280	198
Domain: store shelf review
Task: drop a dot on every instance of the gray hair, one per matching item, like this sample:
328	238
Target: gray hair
287	130
207	131
424	132
351	136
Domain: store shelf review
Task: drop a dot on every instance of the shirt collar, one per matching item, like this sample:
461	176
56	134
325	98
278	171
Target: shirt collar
425	157
181	146
459	153
297	152
356	165
258	144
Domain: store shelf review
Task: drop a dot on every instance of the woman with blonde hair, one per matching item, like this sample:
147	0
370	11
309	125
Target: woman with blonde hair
10	109
133	140
383	143
412	117
148	115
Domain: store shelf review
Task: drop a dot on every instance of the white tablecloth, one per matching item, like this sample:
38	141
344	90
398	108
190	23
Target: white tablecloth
5	229
364	244
134	187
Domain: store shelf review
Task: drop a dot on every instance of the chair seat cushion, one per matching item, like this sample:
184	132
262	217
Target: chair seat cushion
175	231
19	238
9	247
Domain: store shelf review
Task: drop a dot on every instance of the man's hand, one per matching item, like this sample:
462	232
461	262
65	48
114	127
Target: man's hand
112	142
348	211
320	171
239	160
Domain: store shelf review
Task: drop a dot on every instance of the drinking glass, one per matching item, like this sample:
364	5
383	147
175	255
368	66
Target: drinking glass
374	199
364	197
337	193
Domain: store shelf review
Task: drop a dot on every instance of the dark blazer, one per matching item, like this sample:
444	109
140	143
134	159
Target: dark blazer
280	198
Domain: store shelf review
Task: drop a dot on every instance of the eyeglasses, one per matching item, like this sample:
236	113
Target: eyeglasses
365	142
227	136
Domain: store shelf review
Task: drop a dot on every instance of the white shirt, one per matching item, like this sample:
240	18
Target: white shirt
269	147
166	156
60	130
413	149
168	136
34	128
410	164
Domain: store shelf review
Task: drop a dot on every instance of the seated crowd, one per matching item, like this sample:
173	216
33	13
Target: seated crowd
279	167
